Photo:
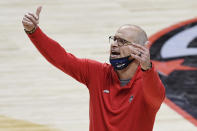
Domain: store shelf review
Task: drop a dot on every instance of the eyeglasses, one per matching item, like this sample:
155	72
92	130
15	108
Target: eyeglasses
120	41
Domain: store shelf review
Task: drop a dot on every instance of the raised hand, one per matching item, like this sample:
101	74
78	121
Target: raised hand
139	52
142	54
30	20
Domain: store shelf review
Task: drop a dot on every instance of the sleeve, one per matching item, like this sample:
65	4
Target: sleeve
153	89
57	56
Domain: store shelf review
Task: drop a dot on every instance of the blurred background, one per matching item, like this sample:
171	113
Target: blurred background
34	95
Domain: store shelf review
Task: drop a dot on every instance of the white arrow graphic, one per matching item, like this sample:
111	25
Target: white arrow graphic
177	45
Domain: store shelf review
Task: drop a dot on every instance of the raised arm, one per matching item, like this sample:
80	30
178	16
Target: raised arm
54	53
153	89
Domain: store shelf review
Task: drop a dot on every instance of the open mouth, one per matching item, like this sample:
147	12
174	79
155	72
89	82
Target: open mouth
115	53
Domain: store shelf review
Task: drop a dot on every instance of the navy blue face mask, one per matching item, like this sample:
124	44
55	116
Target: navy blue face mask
120	63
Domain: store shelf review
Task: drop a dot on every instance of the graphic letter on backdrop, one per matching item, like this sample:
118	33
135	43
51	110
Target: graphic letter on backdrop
174	53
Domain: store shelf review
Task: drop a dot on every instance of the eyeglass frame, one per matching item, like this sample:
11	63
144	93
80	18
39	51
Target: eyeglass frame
120	43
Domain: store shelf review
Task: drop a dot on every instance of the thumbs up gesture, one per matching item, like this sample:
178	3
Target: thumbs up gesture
30	20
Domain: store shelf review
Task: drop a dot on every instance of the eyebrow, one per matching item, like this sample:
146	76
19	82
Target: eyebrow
122	39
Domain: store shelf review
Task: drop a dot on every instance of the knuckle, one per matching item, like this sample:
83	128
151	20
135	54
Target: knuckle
26	19
34	16
30	17
27	16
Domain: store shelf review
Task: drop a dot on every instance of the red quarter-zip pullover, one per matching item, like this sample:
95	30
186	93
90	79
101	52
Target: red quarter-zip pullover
132	107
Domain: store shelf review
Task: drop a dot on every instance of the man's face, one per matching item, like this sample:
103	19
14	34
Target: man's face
121	45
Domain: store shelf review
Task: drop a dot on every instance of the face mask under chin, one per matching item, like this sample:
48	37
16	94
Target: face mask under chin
121	63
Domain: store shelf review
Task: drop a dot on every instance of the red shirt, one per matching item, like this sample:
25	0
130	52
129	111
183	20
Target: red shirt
132	107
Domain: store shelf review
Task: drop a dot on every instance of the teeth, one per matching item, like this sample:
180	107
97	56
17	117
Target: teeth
113	55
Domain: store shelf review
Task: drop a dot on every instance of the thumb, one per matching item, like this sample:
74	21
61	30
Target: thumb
38	11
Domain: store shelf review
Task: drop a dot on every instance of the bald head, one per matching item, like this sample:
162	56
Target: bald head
133	33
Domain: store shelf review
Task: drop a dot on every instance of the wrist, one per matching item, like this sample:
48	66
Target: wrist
148	67
31	31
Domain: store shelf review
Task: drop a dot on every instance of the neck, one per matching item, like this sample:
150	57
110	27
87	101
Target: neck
128	72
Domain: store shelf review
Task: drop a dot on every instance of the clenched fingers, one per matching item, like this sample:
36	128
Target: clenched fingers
135	50
145	48
31	18
33	15
137	57
27	23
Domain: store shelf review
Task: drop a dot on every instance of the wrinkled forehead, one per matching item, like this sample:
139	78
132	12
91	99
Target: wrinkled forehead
127	33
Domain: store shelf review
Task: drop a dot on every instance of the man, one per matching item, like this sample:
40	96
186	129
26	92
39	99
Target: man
124	95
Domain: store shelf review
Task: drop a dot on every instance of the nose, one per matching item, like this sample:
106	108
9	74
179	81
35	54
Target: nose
114	44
